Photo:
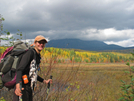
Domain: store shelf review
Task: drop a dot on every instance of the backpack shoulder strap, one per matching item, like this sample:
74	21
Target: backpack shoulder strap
34	52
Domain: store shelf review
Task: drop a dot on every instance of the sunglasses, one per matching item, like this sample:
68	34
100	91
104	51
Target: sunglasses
41	42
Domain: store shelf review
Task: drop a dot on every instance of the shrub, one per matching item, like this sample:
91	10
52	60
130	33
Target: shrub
128	87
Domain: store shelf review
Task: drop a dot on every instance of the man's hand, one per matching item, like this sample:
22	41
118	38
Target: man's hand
17	90
47	81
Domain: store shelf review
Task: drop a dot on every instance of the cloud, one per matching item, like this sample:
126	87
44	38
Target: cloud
105	20
124	43
110	34
70	15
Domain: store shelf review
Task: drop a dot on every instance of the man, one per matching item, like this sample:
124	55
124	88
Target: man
24	69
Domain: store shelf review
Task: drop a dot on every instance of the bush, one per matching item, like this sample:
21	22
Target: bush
86	60
128	87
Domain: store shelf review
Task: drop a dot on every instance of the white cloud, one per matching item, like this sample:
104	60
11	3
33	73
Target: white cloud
107	34
124	43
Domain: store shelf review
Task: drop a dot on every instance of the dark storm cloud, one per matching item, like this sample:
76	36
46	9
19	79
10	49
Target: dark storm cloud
105	20
71	15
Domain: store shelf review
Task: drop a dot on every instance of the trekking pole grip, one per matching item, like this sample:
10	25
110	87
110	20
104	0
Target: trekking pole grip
51	76
48	86
20	97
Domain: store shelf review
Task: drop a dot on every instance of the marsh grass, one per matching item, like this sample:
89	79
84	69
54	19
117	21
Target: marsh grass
86	82
80	82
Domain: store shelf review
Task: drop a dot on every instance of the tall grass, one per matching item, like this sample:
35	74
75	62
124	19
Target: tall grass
80	82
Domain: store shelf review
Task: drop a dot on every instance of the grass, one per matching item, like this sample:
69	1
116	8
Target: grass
87	82
80	82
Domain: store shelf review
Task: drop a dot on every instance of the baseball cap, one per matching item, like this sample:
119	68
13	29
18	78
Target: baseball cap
39	38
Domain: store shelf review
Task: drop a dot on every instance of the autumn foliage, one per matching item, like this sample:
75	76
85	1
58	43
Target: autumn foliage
66	56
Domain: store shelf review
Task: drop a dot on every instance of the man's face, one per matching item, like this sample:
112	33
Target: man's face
39	45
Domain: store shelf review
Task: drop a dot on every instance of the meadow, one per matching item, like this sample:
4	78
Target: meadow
87	82
77	79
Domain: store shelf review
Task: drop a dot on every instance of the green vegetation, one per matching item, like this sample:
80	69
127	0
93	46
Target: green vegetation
128	87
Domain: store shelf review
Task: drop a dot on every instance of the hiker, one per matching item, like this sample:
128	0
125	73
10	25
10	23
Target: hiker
24	69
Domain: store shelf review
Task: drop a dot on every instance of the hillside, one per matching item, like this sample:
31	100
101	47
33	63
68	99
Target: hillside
85	45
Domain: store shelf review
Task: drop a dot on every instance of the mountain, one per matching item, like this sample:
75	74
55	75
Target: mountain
84	45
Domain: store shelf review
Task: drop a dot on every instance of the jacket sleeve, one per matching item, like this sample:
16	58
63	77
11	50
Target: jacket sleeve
39	78
24	63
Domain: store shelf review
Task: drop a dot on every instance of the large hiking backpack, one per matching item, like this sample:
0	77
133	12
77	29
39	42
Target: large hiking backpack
9	62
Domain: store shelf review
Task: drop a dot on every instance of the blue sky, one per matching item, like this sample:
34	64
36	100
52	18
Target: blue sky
110	21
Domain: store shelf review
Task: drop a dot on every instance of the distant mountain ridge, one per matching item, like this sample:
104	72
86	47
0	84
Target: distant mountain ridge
84	45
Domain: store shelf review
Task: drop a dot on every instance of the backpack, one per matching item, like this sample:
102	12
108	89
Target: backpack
9	62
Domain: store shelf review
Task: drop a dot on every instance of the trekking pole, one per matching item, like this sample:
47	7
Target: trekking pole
48	87
20	97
